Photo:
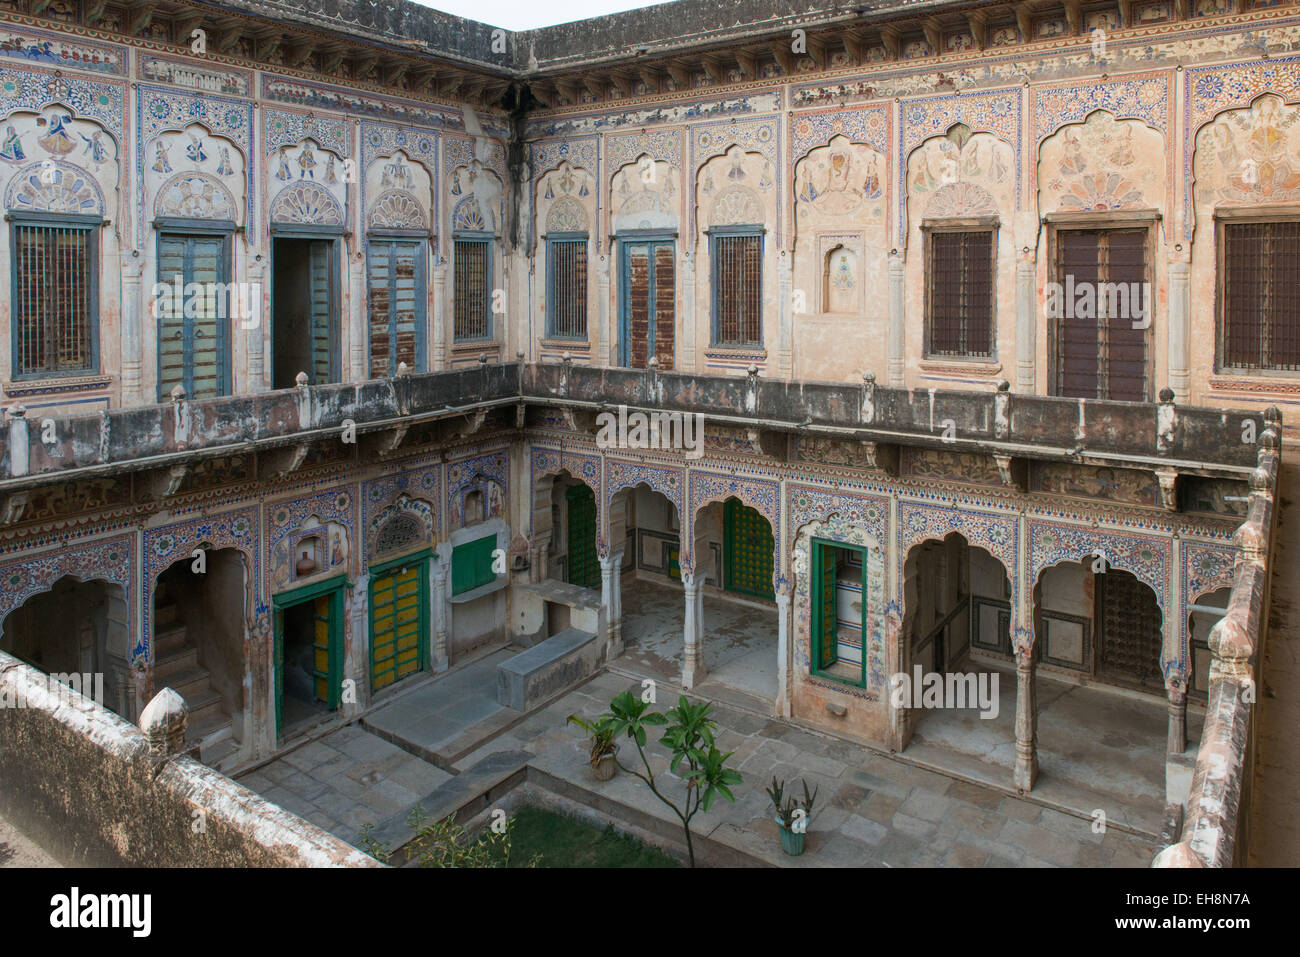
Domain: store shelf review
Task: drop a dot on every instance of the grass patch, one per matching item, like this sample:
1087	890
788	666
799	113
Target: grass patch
562	841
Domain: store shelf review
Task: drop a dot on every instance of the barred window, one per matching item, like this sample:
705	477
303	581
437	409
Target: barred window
472	293
56	269
959	294
1260	301
566	287
737	288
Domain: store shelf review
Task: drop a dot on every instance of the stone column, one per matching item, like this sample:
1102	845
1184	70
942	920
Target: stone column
439	658
439	317
1026	323
686	323
785	316
132	330
1179	328
784	658
605	355
1026	721
611	599
1177	693
357	340
897	330
693	633
256	325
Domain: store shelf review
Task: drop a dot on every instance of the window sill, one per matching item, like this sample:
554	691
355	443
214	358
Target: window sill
502	581
55	383
1255	382
736	352
573	345
958	366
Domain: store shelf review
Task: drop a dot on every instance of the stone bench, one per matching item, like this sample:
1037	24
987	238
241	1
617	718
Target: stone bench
547	668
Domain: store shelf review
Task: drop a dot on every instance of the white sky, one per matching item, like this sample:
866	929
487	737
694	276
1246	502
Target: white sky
530	14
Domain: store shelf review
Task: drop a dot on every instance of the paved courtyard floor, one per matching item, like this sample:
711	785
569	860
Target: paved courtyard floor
873	810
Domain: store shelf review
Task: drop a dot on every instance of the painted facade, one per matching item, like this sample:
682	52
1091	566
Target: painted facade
840	176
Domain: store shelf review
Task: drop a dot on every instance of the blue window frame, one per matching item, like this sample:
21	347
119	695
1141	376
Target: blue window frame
194	319
54	294
736	263
472	286
566	286
396	265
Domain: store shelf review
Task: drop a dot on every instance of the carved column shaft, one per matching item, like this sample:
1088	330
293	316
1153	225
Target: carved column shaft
783	656
1177	743
1026	326
897	329
439	318
693	633
132	331
1026	722
1179	328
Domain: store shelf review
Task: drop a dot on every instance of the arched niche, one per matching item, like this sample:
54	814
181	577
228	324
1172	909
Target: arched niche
1102	164
193	174
645	194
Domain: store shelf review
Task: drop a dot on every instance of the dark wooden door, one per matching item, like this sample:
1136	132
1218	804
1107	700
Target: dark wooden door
649	317
1129	646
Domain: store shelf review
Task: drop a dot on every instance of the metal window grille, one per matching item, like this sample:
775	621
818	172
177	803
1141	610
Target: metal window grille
738	289
1261	299
961	294
1097	355
53	302
567	285
471	293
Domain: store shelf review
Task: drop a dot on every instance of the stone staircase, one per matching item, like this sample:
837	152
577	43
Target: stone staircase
176	666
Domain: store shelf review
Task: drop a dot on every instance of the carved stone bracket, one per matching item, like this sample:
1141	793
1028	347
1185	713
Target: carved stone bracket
1013	471
1168	479
282	462
159	484
12	508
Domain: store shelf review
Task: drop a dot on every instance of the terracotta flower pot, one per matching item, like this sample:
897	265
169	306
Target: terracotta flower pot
605	768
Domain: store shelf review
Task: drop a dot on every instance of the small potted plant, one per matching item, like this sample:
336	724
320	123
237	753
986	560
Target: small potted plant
792	815
603	748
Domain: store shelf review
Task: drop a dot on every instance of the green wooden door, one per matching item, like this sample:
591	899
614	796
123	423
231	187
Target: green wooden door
192	337
398	622
326	601
322	310
748	550
584	566
828	573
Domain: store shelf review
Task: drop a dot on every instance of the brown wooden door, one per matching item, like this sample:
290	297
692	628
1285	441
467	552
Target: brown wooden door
1129	644
649	304
1101	340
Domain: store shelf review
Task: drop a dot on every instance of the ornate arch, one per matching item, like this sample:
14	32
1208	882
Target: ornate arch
586	469
567	215
667	481
997	534
195	195
738	206
110	560
168	544
840	527
404	509
59	188
396	209
468	216
306	203
762	495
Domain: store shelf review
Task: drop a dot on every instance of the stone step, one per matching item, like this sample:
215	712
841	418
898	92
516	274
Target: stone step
547	668
169	640
164	614
191	684
464	795
173	664
205	708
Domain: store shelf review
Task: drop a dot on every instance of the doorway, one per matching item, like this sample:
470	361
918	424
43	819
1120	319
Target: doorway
584	564
304	284
308	655
748	548
647	314
399	620
194	335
